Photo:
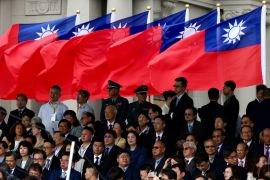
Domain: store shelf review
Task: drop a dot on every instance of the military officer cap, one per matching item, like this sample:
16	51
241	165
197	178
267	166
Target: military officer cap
141	89
112	84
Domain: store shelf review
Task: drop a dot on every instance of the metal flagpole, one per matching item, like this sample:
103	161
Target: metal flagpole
70	159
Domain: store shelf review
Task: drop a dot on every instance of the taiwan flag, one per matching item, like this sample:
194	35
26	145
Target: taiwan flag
129	66
230	50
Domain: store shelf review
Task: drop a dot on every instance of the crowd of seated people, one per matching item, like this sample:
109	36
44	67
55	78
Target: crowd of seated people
139	140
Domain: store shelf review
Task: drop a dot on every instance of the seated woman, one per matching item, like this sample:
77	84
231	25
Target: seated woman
25	150
119	141
18	133
137	154
38	130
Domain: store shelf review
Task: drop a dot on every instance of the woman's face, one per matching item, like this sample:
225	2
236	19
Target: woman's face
35	130
117	128
19	130
228	173
131	139
23	151
69	118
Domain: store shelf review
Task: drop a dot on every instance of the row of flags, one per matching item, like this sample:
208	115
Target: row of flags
132	52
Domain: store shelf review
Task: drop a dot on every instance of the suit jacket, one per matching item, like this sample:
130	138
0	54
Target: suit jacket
27	165
207	113
103	166
261	117
231	113
55	163
191	166
121	105
138	156
132	173
158	169
20	173
251	107
209	173
15	116
178	111
56	174
112	156
197	130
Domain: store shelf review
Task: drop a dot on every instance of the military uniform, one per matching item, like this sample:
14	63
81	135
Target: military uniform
137	107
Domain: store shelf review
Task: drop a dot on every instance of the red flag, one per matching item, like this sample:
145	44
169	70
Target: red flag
9	38
77	63
128	60
210	57
21	65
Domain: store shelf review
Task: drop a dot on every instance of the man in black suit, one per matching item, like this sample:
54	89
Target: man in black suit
14	170
189	151
251	107
116	100
208	112
219	137
138	106
179	104
40	157
264	147
3	125
246	136
191	126
203	167
231	107
262	114
158	160
65	128
242	159
16	115
59	143
52	162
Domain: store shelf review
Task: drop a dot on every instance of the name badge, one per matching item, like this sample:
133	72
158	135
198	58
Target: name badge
53	118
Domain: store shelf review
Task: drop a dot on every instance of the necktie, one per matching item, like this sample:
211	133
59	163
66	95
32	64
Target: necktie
267	152
157	163
158	138
111	127
47	164
96	161
177	101
190	128
107	150
186	161
64	174
20	112
241	163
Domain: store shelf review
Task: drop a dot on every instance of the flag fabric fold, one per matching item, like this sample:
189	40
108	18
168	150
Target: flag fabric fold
230	50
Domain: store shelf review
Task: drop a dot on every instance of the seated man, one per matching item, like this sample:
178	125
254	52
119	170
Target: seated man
14	170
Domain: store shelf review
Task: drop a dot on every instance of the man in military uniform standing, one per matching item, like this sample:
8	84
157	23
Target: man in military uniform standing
140	105
116	100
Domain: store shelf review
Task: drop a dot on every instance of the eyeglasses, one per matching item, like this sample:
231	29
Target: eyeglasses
186	148
108	137
210	146
188	114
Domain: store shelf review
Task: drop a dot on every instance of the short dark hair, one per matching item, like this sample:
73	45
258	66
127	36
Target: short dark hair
4	144
11	153
201	157
170	173
194	110
266	92
111	132
35	167
65	121
213	94
89	114
39	151
85	93
3	111
123	152
167	94
51	141
260	87
115	173
183	80
146	167
56	87
23	96
219	130
227	152
68	154
156	108
27	145
71	113
245	126
161	117
230	84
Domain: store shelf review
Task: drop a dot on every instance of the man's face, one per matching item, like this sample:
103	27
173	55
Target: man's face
108	139
210	147
152	114
21	102
188	151
142	120
226	90
159	125
241	151
109	113
85	119
179	88
123	160
81	98
246	134
218	137
64	162
232	159
259	95
11	162
38	158
48	148
141	97
86	136
113	92
54	95
63	128
98	148
189	116
158	149
266	137
58	139
203	166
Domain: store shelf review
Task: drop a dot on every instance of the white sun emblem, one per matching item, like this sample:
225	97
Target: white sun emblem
84	30
46	32
120	26
234	32
190	30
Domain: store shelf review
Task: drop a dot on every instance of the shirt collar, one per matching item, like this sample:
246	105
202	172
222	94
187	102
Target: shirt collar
160	134
110	123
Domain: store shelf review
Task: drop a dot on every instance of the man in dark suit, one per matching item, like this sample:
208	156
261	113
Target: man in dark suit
86	149
219	137
246	136
208	112
40	157
110	118
179	104
52	162
65	128
59	139
3	126
138	106
116	100
158	160
189	151
262	114
231	107
191	126
61	173
251	107
16	115
14	170
264	147
243	160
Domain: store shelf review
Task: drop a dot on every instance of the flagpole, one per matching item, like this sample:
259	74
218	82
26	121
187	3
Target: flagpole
187	13
218	13
70	159
78	17
113	15
263	42
149	14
